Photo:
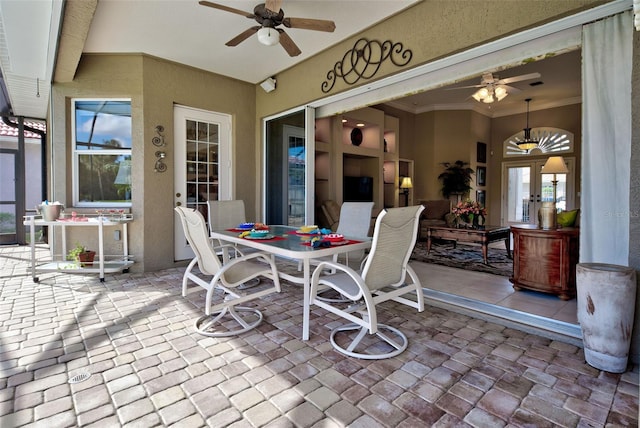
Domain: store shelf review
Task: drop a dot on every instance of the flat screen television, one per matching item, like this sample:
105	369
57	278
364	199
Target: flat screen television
357	189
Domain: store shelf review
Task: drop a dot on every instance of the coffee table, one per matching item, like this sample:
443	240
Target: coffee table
478	236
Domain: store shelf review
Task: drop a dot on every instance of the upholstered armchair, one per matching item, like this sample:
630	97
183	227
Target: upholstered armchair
434	214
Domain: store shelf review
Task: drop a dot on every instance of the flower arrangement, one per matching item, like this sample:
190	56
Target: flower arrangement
469	212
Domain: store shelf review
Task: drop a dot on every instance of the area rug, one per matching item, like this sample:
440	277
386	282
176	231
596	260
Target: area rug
464	256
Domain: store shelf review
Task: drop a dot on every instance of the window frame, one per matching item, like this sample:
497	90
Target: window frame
77	153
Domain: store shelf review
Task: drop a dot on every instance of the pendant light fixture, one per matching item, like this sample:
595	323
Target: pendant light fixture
528	143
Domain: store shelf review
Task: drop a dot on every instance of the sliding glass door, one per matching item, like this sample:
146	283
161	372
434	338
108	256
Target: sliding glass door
288	168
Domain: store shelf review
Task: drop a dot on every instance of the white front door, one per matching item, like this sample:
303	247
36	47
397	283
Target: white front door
202	165
525	187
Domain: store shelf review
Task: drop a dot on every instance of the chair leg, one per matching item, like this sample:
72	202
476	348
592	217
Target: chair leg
252	283
210	325
388	335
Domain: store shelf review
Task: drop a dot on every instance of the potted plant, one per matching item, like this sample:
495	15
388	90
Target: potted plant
81	255
456	178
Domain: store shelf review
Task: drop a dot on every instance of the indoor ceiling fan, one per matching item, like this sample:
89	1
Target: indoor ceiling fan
270	16
493	88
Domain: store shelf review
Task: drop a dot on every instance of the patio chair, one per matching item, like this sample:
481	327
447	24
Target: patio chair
227	275
355	219
227	215
385	276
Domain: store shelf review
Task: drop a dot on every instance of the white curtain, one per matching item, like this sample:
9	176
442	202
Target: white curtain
606	139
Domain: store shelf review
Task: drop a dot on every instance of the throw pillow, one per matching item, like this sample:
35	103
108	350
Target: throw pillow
567	218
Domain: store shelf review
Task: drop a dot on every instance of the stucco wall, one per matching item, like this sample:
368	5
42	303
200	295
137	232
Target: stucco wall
432	29
97	76
154	86
566	117
634	194
165	84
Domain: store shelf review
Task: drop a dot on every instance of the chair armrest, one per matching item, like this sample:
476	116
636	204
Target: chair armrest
353	290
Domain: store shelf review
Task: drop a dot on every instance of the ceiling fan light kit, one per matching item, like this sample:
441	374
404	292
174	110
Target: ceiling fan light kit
268	36
270	17
494	89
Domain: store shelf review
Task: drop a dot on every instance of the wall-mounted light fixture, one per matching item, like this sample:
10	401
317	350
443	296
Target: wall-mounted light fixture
160	166
269	85
158	141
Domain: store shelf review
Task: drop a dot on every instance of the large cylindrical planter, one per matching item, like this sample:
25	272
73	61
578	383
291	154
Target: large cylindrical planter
606	303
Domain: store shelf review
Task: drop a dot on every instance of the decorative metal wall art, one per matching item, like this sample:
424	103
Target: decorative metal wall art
364	60
158	141
160	166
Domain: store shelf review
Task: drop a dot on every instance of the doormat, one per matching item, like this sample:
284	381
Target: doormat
468	257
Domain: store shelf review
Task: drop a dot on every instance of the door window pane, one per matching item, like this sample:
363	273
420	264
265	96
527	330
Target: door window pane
202	163
519	190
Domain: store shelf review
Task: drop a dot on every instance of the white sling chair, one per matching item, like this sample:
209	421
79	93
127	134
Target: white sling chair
228	274
385	275
355	220
227	215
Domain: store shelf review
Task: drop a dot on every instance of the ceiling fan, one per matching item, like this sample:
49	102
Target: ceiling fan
270	16
493	88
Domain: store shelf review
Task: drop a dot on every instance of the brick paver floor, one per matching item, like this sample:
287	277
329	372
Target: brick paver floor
133	337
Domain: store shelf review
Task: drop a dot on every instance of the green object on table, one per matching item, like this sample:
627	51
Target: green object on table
567	218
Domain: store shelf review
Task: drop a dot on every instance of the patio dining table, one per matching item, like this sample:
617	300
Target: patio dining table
288	243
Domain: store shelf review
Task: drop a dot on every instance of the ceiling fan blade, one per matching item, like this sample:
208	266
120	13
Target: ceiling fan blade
226	8
273	5
243	36
464	87
288	44
511	89
310	24
519	78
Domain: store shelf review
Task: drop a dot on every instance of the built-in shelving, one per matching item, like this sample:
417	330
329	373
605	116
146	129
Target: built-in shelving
375	156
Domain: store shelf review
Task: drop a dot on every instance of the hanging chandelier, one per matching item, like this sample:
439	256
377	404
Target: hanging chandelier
528	143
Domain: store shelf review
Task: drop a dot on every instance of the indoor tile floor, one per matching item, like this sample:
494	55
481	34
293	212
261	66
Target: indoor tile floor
131	339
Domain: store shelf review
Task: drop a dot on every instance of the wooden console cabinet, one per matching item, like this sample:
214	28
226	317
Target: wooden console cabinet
545	260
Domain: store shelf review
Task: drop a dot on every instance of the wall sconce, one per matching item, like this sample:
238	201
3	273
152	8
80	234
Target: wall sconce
160	166
405	185
269	85
158	141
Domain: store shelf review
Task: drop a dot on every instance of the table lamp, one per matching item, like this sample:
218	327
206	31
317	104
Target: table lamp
405	185
547	214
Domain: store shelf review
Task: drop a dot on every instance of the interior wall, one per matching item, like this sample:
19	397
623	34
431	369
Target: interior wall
567	117
165	85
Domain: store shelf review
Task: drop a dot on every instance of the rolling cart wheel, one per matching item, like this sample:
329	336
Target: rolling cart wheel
36	279
101	279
